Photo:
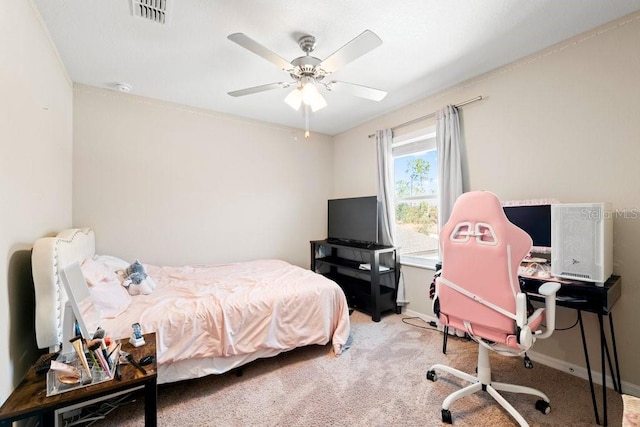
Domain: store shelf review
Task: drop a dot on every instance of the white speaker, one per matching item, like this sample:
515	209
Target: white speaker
582	241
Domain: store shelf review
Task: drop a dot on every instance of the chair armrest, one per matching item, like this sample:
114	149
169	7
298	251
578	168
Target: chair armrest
548	290
521	309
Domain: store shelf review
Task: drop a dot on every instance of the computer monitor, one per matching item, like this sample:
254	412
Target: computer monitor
534	217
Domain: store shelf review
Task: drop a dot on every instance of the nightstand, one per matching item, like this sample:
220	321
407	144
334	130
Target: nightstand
30	397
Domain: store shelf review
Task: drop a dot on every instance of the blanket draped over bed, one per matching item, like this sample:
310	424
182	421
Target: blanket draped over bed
217	311
208	319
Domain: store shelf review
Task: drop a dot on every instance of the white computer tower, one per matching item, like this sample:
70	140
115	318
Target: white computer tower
582	241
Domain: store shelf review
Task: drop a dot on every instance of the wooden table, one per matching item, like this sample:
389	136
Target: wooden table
30	397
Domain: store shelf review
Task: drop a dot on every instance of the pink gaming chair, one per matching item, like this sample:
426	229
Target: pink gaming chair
478	292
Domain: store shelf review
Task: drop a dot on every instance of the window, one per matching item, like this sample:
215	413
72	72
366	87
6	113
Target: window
415	170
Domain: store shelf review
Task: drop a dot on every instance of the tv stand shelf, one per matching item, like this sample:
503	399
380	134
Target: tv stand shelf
363	287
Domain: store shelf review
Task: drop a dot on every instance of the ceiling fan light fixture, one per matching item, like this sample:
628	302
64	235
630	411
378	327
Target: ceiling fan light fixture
311	96
308	70
310	93
294	99
318	103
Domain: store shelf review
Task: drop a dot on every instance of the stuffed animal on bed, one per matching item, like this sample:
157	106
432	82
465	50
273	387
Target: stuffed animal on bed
136	280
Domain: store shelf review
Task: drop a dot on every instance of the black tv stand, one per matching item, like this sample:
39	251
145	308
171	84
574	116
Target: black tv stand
352	243
361	284
336	241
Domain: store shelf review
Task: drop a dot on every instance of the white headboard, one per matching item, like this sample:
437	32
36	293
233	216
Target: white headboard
50	255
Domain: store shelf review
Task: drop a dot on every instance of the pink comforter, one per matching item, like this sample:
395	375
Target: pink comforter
202	311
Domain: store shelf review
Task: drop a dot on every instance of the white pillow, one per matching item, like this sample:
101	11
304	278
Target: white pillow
114	263
105	288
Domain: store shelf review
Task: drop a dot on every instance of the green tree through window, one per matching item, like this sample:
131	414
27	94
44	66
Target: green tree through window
416	198
420	215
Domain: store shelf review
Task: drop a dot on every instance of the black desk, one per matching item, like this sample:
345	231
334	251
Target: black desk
584	296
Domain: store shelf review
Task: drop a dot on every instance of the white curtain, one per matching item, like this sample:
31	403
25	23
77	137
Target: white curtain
387	221
449	168
384	140
449	163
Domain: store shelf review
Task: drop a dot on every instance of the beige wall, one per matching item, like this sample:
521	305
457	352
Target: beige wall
172	185
35	172
560	124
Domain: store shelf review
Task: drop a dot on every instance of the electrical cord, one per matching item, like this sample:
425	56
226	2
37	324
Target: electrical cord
432	325
96	412
567	328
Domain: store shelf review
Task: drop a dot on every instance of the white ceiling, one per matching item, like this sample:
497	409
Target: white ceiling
428	45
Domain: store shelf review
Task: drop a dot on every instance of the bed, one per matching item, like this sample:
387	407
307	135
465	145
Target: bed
208	319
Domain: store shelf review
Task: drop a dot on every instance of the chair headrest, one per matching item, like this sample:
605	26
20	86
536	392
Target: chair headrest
478	217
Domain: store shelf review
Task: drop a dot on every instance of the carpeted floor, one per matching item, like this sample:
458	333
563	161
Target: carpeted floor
379	381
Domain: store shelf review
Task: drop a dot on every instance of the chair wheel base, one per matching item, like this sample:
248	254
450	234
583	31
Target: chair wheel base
446	416
543	406
431	375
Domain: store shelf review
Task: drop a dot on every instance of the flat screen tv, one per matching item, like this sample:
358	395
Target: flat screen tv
353	220
534	217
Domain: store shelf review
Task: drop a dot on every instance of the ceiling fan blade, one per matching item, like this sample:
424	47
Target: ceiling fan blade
261	88
255	47
364	43
357	90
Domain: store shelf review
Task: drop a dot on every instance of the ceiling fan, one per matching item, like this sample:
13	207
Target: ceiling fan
309	72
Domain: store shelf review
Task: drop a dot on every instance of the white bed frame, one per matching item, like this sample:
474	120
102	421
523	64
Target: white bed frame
52	254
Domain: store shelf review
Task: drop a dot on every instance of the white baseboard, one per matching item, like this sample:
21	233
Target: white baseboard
412	313
578	371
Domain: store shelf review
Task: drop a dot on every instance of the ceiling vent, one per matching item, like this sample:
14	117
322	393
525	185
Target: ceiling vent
150	10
